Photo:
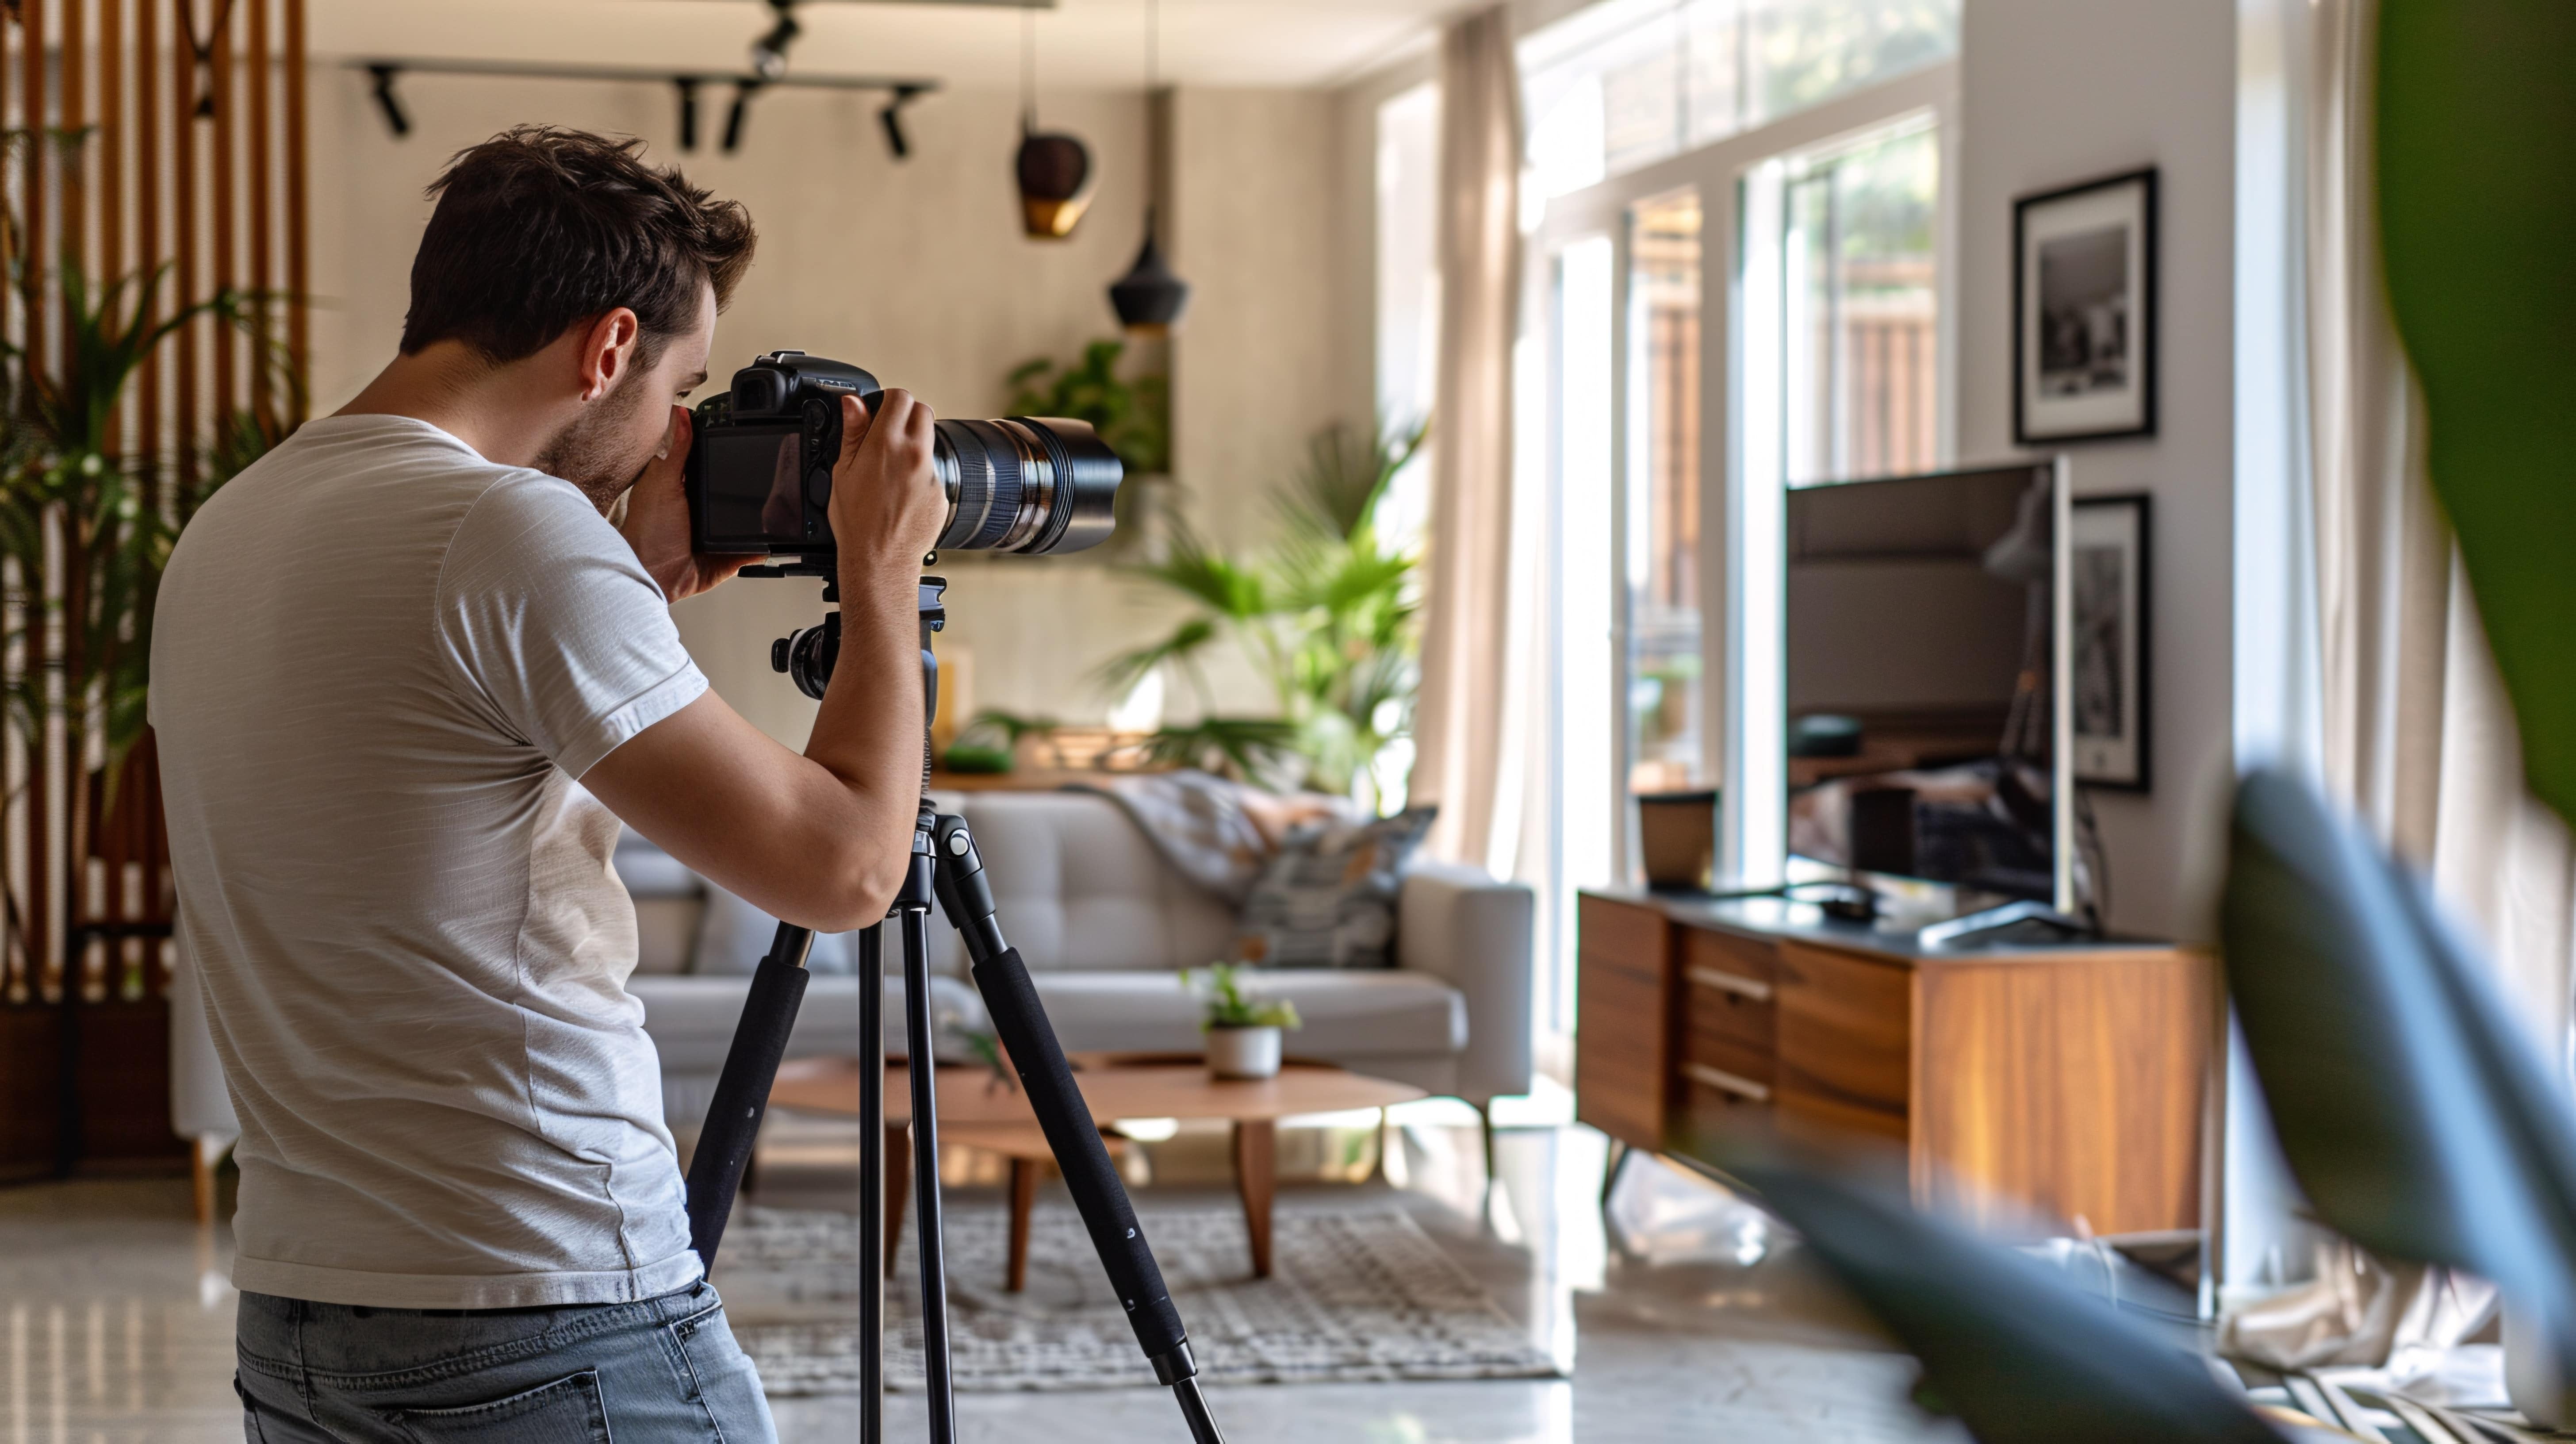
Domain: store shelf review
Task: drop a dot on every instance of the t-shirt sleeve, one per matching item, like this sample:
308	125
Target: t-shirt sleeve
555	632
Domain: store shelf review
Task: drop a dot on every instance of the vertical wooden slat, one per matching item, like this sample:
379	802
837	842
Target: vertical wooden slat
223	198
299	338
263	277
184	228
39	916
112	59
147	231
16	966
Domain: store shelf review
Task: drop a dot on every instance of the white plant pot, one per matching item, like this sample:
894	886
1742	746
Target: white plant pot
1243	1052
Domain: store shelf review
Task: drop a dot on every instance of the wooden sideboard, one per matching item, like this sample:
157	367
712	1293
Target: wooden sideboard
2063	1079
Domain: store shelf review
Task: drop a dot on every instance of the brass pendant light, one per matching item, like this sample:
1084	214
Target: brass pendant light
1149	299
1055	170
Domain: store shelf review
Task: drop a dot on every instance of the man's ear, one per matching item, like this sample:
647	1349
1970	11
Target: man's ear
607	349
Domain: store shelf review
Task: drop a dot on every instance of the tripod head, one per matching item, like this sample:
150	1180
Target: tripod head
808	654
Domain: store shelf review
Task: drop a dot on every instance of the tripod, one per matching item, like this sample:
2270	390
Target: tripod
945	866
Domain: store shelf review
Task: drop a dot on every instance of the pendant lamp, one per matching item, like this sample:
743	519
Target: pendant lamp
1149	299
1055	169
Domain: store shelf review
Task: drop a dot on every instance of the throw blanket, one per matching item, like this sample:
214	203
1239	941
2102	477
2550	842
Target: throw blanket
1219	833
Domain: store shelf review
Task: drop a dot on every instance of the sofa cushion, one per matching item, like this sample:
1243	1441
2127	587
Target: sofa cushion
734	936
648	871
1080	888
1349	1016
691	1019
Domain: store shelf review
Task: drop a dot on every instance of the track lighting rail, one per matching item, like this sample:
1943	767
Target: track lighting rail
899	90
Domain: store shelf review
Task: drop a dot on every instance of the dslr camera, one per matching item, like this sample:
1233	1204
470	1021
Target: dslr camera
759	470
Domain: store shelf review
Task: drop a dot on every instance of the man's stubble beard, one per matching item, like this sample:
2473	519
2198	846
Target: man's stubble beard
592	452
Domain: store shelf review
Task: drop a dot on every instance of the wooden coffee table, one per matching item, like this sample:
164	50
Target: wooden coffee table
979	1112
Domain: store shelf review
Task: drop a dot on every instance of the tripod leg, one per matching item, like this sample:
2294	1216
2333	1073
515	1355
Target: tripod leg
936	1380
873	1222
1020	1021
742	1089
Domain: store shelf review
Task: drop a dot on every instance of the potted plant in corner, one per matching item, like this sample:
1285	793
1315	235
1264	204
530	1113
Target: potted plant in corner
1243	1034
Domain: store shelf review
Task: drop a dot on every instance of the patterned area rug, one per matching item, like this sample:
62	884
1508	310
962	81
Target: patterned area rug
1353	1295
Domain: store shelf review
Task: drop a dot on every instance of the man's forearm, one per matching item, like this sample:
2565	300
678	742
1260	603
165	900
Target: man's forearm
870	730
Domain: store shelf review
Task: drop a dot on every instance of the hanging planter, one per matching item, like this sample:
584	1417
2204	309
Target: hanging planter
1149	299
1055	170
1056	181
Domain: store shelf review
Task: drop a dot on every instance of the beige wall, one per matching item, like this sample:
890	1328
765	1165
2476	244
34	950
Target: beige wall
2034	116
918	271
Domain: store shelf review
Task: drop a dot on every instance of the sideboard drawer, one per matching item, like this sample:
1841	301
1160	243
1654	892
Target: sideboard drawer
1730	1023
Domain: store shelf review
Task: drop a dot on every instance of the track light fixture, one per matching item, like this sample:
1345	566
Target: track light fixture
740	111
769	52
390	103
687	85
891	117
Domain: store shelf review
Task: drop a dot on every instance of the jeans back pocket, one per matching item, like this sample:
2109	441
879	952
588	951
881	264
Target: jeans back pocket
567	1411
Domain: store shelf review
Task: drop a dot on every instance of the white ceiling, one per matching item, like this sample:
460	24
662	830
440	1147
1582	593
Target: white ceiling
1082	44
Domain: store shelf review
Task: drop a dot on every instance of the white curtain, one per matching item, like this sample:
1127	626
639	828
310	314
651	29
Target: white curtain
2417	732
1459	738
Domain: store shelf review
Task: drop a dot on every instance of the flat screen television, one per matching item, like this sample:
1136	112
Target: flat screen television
1926	684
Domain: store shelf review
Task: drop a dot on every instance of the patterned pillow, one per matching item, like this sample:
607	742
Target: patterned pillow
1327	897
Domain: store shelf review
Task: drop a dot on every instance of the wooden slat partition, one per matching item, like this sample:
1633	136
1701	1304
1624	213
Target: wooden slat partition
119	175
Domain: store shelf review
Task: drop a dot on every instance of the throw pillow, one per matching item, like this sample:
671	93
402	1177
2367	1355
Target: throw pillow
734	936
1327	897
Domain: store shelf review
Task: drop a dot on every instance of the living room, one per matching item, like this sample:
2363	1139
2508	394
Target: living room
1485	888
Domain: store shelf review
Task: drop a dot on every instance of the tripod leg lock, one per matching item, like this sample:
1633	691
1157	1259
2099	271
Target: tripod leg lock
1171	1368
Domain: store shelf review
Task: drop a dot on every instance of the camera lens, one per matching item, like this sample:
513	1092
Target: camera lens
1027	484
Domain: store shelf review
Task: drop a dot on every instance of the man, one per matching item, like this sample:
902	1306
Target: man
386	654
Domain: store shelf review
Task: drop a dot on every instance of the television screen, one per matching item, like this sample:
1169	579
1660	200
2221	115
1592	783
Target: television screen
1921	688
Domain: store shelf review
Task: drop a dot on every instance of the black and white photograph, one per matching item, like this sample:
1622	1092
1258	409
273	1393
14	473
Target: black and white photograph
2084	311
2109	546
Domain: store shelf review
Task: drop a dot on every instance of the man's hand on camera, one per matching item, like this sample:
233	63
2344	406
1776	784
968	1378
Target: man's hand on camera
657	522
887	507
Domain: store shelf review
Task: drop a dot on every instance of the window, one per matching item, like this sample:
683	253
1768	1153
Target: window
1408	289
1668	730
1628	82
1859	359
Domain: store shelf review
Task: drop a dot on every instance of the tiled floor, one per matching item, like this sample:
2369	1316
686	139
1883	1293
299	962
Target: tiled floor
116	1323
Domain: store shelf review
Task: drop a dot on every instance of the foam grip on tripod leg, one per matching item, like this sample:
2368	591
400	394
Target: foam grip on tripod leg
742	1092
1020	1021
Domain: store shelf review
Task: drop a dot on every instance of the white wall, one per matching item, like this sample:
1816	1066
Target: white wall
918	271
2056	91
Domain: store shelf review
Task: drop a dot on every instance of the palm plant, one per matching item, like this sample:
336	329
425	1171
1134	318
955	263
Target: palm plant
85	532
1328	618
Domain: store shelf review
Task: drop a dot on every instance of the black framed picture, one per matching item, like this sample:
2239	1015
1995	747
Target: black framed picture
2109	543
2084	311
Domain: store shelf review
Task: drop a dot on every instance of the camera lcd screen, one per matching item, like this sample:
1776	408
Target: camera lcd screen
750	485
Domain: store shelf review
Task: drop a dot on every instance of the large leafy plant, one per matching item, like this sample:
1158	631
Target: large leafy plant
1328	617
1132	416
86	531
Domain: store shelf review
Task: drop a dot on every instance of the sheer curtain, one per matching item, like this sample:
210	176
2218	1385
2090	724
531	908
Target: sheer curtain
2417	733
1461	758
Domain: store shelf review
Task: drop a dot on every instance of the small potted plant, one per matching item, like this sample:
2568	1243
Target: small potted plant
1242	1033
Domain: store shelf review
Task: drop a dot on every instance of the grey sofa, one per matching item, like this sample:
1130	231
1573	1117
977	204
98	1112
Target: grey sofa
1106	924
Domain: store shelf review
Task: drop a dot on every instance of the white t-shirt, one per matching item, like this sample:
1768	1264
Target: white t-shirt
380	663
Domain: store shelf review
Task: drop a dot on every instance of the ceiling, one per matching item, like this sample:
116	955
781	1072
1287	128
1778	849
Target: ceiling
1081	44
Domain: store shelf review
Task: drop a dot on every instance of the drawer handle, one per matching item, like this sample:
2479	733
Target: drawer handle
1725	1082
1730	983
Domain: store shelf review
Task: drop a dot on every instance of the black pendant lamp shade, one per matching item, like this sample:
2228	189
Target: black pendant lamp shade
1056	177
1149	299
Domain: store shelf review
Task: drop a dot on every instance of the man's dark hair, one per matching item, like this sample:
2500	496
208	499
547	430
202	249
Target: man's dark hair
539	229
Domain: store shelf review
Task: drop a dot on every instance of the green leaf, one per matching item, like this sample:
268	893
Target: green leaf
2477	200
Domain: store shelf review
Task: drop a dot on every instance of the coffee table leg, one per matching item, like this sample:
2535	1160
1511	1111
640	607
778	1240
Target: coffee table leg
1024	1200
898	1183
1256	1176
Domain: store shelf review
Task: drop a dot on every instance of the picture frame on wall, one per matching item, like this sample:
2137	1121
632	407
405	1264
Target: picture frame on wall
2111	545
2084	311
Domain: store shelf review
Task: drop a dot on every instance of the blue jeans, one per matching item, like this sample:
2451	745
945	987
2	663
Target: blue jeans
661	1371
